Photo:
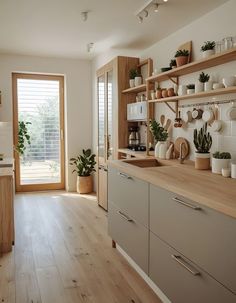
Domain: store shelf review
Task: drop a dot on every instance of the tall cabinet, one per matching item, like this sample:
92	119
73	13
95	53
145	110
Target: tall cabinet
112	79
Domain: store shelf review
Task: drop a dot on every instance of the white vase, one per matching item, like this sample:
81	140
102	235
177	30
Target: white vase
182	90
137	81
162	150
208	86
218	164
156	152
190	91
199	87
208	53
131	83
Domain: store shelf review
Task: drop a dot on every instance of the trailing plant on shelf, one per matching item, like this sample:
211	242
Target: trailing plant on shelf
173	63
23	137
208	45
202	140
203	78
220	160
182	57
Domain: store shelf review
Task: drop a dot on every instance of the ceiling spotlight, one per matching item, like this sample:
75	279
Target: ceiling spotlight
140	19
165	0
156	7
90	46
145	13
84	16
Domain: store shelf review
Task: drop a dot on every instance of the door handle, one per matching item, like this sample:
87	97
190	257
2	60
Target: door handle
123	175
186	204
184	264
124	216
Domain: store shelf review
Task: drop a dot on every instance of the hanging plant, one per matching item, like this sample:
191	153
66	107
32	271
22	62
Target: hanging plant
23	137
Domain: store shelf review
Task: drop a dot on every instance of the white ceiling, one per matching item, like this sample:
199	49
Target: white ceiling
55	28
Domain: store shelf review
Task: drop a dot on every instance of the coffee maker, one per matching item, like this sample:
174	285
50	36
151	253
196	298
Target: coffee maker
134	137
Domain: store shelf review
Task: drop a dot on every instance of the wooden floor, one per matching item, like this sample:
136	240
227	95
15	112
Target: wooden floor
63	254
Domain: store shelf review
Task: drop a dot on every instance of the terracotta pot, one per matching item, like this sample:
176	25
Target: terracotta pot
171	92
182	60
84	184
164	93
202	161
158	94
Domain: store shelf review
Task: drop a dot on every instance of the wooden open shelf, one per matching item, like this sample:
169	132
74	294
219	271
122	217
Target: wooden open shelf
136	89
216	92
196	66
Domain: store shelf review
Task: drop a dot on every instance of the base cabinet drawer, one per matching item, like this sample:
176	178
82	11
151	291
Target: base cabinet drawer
129	194
129	234
206	237
181	280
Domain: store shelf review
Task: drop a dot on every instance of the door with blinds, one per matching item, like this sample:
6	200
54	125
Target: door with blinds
39	106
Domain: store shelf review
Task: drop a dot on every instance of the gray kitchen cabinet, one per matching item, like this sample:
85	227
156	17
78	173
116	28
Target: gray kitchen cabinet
129	234
206	237
180	279
129	194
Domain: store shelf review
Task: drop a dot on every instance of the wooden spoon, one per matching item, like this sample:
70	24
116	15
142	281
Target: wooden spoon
167	125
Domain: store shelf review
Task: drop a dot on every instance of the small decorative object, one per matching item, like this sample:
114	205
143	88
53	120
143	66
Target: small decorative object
173	63
178	121
203	78
182	91
233	170
181	57
216	126
208	49
153	95
226	172
23	137
220	161
229	81
228	43
84	167
187	117
171	92
132	74
160	136
190	89
208	115
138	79
231	112
203	142
158	93
218	85
197	113
164	93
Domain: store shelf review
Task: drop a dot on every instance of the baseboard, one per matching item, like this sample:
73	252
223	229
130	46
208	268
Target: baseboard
153	286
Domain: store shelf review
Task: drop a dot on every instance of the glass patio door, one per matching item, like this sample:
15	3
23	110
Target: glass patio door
38	102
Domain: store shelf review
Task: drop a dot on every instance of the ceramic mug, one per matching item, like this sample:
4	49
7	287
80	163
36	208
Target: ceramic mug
216	125
229	81
226	172
208	115
197	113
187	117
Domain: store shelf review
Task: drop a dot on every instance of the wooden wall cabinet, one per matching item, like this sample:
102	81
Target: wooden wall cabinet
6	214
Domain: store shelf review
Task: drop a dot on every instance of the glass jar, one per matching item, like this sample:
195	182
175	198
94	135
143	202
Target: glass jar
234	41
219	47
228	43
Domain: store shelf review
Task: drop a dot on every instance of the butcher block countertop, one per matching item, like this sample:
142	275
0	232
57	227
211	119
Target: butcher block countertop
211	190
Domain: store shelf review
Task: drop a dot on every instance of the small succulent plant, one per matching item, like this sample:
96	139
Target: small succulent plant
208	45
182	53
202	140
191	86
223	155
173	63
203	77
133	73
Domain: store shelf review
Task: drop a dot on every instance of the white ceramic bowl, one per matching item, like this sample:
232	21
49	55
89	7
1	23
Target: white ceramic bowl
229	81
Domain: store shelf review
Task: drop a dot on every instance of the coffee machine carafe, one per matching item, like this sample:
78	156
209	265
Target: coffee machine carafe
134	137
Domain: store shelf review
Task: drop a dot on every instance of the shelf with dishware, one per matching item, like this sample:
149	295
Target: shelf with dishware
135	90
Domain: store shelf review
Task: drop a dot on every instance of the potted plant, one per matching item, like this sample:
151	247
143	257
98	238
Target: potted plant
219	161
23	137
190	89
173	63
84	167
138	79
200	85
132	75
160	136
181	57
208	49
203	142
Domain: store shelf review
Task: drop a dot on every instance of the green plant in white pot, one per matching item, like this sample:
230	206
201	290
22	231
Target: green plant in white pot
84	167
160	136
220	161
203	142
200	85
208	49
132	74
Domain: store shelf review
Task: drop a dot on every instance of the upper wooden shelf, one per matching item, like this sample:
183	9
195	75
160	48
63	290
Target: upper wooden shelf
136	89
220	91
196	66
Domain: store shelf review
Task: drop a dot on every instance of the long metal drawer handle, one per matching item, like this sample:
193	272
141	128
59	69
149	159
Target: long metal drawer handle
124	176
186	204
124	216
184	264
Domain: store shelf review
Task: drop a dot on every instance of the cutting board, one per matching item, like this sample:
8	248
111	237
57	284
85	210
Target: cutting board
185	149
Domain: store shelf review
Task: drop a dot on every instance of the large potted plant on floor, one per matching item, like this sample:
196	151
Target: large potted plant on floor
203	142
84	167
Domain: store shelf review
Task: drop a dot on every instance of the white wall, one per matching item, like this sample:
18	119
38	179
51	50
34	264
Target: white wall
78	109
215	25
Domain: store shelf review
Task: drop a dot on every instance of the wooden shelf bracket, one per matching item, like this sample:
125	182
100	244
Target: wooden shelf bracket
175	80
175	111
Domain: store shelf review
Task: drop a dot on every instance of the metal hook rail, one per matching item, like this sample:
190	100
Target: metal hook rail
207	103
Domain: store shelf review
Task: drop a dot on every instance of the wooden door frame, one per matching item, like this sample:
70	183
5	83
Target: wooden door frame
47	186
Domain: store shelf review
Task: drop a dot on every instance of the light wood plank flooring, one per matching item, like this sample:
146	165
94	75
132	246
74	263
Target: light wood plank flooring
63	254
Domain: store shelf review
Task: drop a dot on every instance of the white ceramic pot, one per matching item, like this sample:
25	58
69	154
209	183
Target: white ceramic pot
208	86
208	53
156	152
182	90
233	170
162	150
199	87
190	91
229	81
137	81
218	164
131	83
218	85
